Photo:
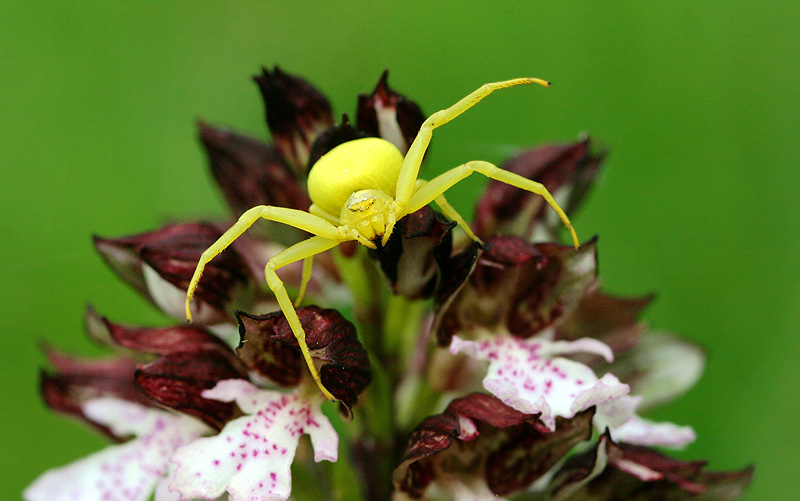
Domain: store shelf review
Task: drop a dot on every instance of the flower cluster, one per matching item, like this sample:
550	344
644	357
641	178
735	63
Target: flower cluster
465	371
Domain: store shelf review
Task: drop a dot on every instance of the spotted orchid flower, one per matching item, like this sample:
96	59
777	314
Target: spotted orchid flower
132	470
532	289
250	458
531	376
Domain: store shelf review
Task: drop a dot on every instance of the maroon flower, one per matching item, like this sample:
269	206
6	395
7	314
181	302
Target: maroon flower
75	381
345	368
566	170
515	286
296	113
159	265
189	361
250	173
611	319
418	252
479	444
389	115
619	471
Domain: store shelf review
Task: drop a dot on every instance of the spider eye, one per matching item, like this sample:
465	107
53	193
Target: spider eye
362	205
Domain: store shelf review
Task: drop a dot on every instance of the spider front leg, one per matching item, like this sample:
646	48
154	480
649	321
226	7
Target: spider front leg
302	250
434	188
413	159
406	181
293	217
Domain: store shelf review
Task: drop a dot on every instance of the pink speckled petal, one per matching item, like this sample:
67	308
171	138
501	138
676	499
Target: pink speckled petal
641	431
127	471
524	374
162	489
527	375
252	455
469	430
583	345
610	396
617	411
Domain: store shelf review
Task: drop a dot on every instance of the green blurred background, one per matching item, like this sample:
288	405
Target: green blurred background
696	101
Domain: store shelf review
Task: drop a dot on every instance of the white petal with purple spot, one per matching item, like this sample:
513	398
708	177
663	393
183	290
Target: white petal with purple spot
128	471
641	431
252	455
527	374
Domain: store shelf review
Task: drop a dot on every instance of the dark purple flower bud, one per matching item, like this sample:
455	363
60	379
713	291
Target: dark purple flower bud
75	381
519	287
659	367
249	172
413	257
526	452
97	329
296	113
178	380
567	171
190	360
621	471
457	269
508	449
332	137
611	319
262	354
160	265
345	369
389	115
332	339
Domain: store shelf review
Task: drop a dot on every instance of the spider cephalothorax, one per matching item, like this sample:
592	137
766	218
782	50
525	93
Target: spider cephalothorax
353	186
359	190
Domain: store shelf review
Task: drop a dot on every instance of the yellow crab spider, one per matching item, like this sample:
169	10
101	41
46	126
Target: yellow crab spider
359	190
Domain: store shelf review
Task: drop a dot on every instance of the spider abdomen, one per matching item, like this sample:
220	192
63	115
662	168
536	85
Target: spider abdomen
369	163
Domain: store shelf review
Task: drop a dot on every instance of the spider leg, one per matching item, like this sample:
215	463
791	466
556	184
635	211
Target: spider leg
308	264
317	211
451	212
411	163
302	250
440	184
293	217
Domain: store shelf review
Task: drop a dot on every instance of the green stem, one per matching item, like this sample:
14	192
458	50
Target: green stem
375	448
401	327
